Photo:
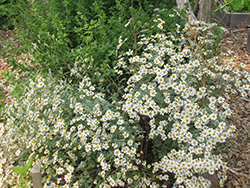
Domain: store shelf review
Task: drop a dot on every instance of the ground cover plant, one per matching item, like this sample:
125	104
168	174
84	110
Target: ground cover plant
162	129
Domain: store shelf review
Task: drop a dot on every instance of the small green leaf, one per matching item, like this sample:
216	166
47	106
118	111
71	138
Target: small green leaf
28	165
19	170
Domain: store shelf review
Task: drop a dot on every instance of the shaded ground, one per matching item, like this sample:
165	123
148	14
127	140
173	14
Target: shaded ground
236	150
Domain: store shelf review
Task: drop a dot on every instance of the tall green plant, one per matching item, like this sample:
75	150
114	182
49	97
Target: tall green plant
54	32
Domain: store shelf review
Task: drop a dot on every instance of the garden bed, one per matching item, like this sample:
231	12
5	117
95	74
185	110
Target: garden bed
238	153
232	19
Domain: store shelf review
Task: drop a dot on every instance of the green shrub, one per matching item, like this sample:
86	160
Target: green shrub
163	131
240	6
9	9
54	32
237	5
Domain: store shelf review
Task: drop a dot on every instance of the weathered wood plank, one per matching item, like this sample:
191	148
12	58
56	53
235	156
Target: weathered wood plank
36	175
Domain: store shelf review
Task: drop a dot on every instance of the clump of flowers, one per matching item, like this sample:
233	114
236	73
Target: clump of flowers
164	131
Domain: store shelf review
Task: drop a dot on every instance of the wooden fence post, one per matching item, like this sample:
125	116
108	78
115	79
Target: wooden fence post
36	176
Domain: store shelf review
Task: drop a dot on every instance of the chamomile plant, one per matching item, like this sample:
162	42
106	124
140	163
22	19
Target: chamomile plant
163	132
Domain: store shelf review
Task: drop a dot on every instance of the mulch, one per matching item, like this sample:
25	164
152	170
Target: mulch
237	149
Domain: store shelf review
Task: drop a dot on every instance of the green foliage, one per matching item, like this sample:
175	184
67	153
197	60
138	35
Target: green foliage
237	5
9	9
54	32
16	81
240	5
24	171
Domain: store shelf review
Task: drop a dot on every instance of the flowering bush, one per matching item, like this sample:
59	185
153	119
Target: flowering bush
163	131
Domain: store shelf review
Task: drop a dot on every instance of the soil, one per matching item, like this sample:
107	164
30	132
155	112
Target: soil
237	149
